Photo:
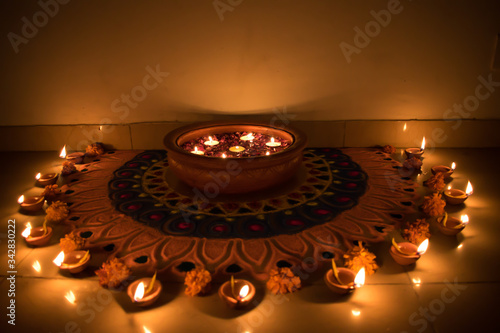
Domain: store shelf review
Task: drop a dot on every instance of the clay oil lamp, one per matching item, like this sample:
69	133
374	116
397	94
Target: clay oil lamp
74	261
407	253
145	291
417	152
38	236
46	179
76	158
343	280
451	225
445	170
456	196
31	204
237	293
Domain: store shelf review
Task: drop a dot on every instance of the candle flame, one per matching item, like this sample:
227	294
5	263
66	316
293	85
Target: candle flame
464	218
469	189
244	291
272	139
21	199
224	155
210	138
195	148
356	313
146	330
70	297
449	187
460	246
423	246
359	280
139	292
27	231
63	152
59	259
417	281
404	128
423	144
268	153
36	266
38	175
100	128
453	166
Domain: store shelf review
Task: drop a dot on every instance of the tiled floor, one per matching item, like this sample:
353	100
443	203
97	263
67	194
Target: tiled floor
459	289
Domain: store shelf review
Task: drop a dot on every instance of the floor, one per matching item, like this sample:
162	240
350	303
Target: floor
458	290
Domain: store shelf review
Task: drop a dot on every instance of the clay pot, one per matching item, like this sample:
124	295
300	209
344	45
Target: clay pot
32	204
346	283
72	261
414	152
48	179
445	170
453	225
149	298
233	175
76	158
227	296
37	238
455	196
405	259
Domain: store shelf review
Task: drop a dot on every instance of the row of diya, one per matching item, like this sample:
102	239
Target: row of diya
406	253
35	203
246	145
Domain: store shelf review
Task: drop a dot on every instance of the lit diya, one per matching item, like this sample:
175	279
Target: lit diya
451	226
237	293
343	280
74	261
31	204
46	179
456	196
38	236
145	291
416	152
76	157
407	253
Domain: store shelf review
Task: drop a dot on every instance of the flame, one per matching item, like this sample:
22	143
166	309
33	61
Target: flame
423	246
464	218
36	266
139	292
146	330
356	313
272	139
417	281
224	155
449	187
423	144
27	231
404	128
359	280
196	149
268	153
21	199
70	297
244	291
100	128
59	259
453	166
469	189
460	246
38	175
63	152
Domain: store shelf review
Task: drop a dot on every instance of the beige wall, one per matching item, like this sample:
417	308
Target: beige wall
263	54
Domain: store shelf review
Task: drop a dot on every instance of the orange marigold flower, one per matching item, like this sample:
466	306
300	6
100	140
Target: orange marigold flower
417	231
433	205
197	281
388	149
436	182
112	273
282	281
359	257
57	212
